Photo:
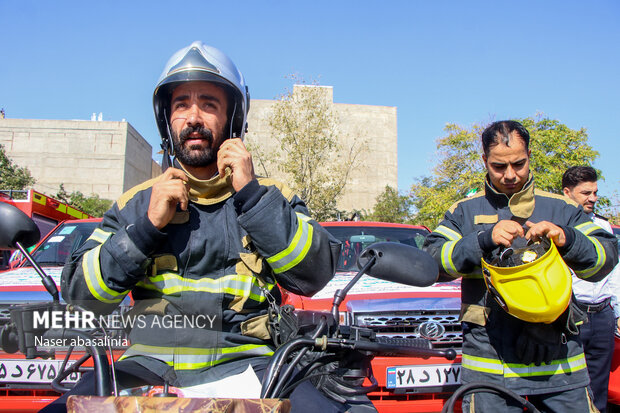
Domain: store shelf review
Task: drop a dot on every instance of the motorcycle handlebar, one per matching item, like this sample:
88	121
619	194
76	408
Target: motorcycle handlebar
383	346
390	347
98	353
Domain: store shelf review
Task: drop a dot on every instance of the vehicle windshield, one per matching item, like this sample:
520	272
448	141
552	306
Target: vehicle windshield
62	242
355	239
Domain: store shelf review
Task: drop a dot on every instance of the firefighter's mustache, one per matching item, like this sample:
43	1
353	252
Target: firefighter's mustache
204	133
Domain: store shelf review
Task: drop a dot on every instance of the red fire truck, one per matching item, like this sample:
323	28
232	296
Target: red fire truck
45	211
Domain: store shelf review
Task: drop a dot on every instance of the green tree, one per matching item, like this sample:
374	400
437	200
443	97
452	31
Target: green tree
460	171
13	176
309	154
391	206
92	205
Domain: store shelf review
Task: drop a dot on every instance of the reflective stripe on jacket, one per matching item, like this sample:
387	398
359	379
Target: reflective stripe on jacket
210	261
490	333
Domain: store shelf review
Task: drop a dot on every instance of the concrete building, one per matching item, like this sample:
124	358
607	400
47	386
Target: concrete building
108	158
93	157
374	125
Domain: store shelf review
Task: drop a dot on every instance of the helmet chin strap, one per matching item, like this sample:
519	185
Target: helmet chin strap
166	146
232	121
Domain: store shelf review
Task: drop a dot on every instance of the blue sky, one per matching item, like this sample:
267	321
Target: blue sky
436	61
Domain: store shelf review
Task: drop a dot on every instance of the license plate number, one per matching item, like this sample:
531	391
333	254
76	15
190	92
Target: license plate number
32	371
431	375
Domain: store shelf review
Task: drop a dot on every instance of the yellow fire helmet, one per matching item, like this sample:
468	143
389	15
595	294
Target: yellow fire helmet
532	283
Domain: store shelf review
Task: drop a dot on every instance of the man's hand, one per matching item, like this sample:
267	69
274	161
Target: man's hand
171	189
233	154
545	229
505	231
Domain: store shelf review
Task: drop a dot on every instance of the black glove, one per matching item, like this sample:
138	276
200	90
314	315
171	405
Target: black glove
538	343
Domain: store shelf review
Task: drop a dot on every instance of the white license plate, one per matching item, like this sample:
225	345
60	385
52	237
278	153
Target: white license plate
431	375
32	371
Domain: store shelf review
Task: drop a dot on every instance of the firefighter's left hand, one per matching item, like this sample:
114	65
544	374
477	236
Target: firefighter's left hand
545	229
233	154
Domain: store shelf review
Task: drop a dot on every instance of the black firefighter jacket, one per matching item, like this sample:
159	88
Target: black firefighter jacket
202	285
489	332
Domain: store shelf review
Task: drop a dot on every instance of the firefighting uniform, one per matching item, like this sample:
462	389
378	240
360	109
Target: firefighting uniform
490	333
222	260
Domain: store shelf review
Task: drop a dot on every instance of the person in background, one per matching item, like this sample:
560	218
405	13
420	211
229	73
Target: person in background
598	299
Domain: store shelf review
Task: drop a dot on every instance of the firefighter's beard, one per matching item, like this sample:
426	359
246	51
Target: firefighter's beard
196	155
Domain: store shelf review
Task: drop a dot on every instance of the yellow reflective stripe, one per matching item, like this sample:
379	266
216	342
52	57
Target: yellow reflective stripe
448	233
234	284
446	258
477	274
190	358
232	353
586	228
485	365
100	235
563	366
94	280
511	370
296	250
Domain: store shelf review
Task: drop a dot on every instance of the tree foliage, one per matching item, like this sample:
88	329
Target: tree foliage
309	154
391	206
13	176
92	205
459	170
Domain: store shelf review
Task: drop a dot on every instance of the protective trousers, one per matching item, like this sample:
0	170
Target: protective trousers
576	400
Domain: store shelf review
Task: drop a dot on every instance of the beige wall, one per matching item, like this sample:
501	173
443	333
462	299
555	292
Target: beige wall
108	158
93	157
375	125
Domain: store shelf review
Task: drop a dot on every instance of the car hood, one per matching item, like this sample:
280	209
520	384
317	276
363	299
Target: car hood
372	286
24	284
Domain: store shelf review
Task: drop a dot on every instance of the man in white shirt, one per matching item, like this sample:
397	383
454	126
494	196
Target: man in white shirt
598	299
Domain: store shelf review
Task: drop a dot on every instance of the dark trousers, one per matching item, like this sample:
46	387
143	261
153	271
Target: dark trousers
597	336
304	398
577	400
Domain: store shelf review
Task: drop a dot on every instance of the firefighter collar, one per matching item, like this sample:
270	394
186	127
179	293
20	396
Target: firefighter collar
521	204
209	191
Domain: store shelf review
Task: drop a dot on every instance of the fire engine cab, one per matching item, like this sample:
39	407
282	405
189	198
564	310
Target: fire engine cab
45	211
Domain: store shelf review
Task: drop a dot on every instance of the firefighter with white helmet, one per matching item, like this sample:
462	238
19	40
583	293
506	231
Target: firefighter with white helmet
207	240
199	62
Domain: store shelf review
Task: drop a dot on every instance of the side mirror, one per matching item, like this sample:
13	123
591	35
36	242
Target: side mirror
400	263
16	227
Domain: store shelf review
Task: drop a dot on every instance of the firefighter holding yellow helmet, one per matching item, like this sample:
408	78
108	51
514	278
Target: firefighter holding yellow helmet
518	328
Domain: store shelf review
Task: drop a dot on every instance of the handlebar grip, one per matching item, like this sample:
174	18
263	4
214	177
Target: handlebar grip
406	342
413	347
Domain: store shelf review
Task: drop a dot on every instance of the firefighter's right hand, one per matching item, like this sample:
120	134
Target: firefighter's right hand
505	231
171	189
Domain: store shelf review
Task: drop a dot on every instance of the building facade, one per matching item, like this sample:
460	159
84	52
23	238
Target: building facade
373	126
93	157
107	158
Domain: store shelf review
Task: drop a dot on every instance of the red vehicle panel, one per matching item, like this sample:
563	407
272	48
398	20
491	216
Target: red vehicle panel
394	310
406	384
